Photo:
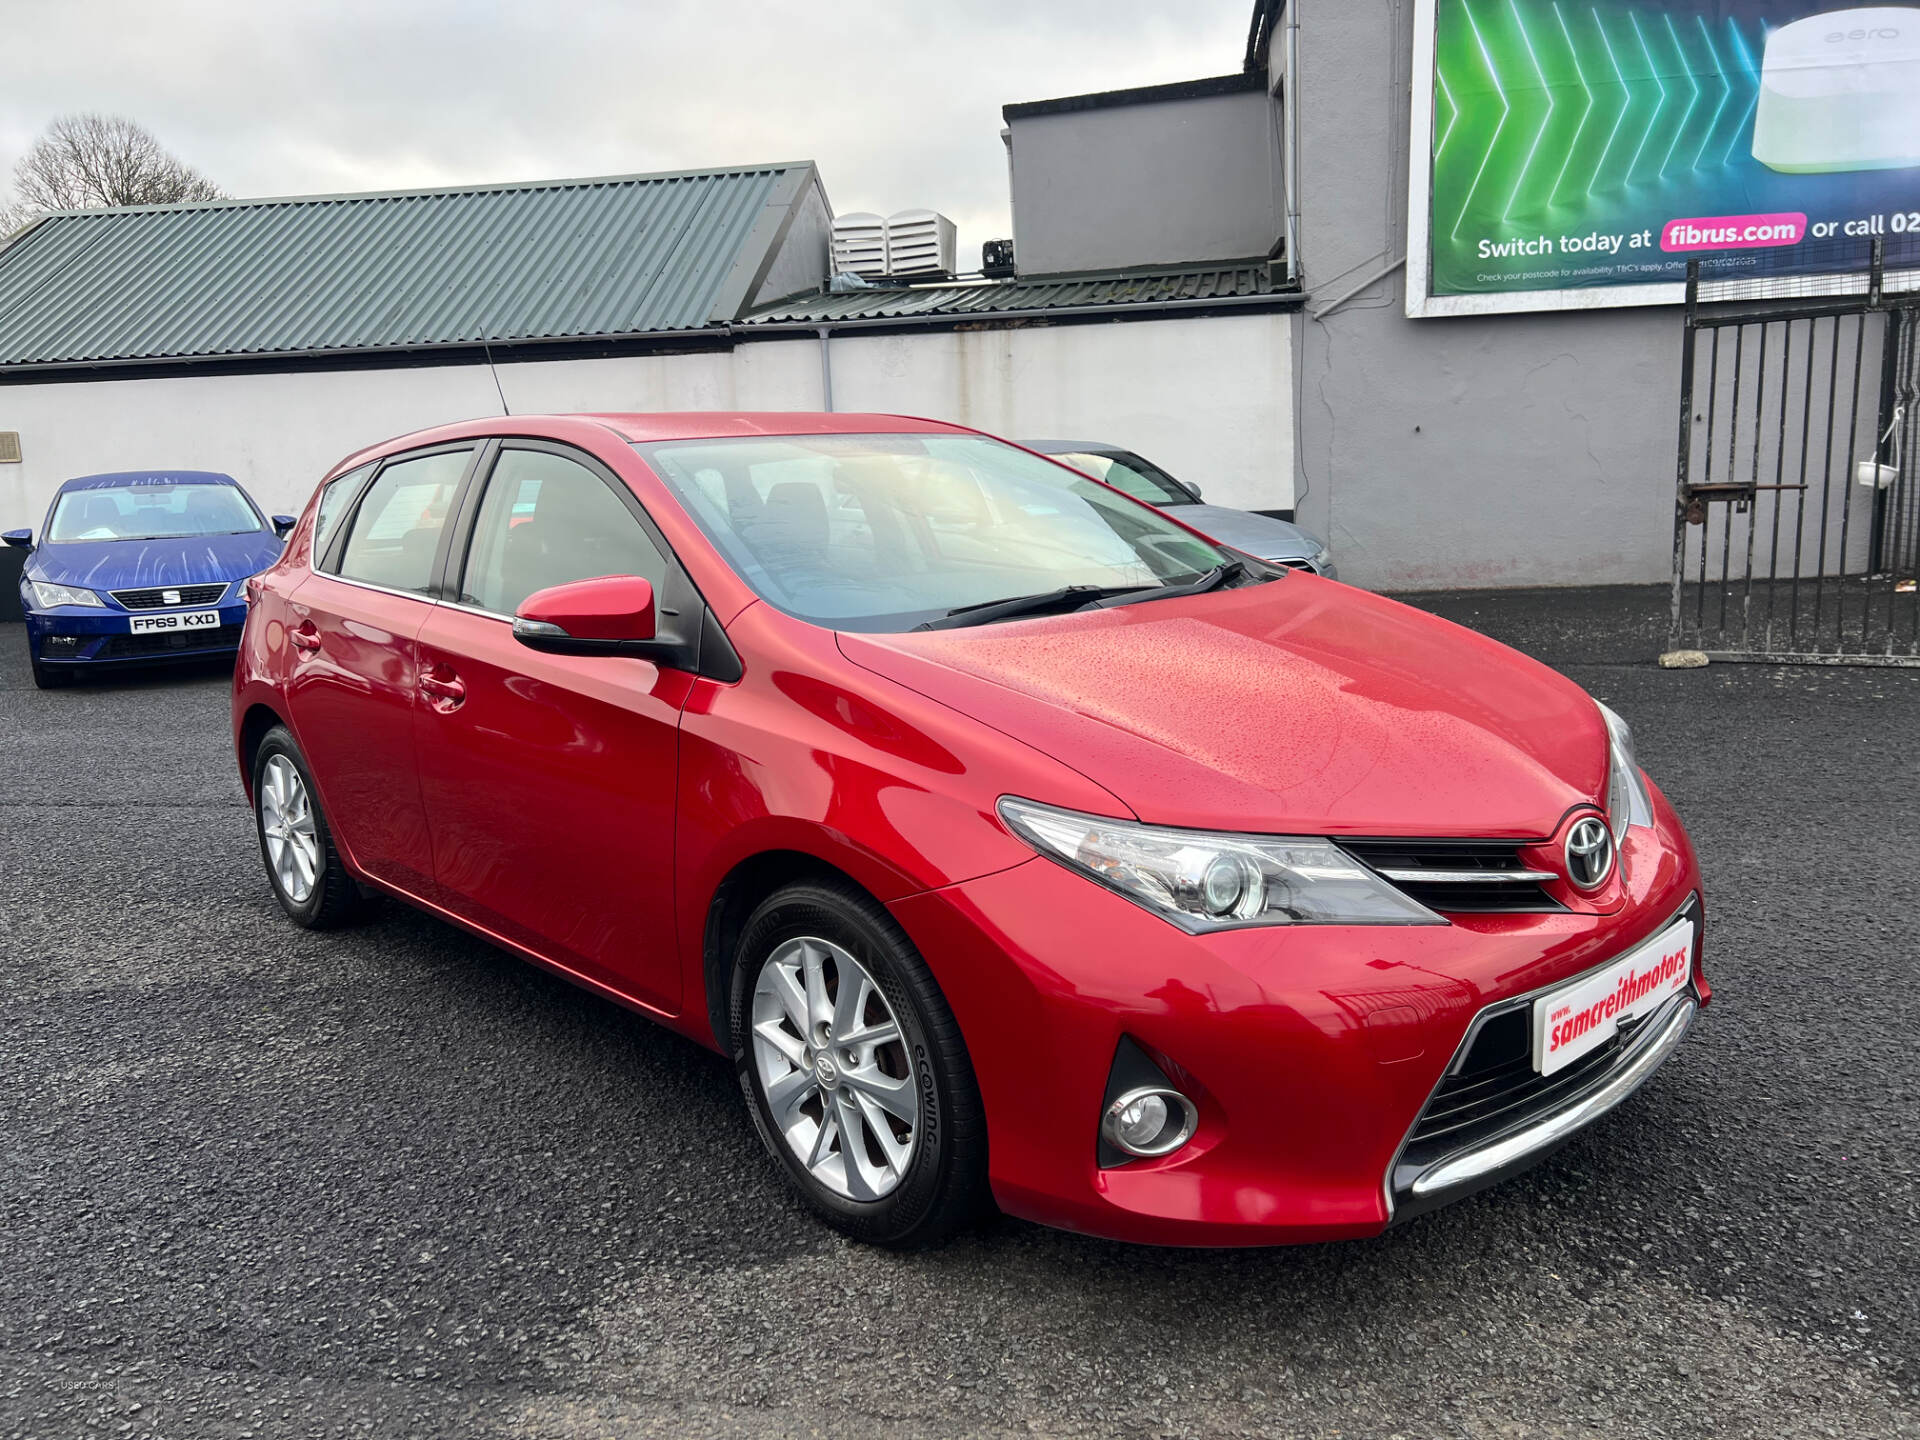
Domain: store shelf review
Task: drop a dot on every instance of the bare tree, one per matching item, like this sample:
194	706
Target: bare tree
85	162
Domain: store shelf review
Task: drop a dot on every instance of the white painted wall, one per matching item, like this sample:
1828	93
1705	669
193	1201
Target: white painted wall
278	434
1209	399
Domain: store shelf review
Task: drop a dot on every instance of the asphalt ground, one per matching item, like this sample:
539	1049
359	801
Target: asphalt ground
391	1182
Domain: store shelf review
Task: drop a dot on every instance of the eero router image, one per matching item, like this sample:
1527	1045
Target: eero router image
1841	91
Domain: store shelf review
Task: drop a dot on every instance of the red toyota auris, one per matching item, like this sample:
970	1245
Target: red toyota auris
1019	844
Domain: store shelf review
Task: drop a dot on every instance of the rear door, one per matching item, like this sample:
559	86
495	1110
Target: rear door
353	684
548	780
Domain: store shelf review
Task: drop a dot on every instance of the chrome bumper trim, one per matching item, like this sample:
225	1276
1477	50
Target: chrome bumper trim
1665	1032
1467	877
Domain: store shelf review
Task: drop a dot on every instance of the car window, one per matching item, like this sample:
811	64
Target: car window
547	520
150	510
882	532
333	500
1132	475
396	528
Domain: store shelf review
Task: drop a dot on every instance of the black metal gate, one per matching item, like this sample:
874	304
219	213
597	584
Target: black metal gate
1796	533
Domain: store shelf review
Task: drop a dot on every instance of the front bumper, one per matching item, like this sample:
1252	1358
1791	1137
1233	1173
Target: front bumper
76	636
1415	1188
1310	1051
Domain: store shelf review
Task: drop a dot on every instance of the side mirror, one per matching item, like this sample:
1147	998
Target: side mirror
613	615
1193	490
18	539
283	523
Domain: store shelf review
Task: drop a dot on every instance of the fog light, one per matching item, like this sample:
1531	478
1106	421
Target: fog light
1150	1122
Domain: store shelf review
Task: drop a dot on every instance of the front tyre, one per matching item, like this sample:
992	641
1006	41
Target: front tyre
309	879
49	677
854	1069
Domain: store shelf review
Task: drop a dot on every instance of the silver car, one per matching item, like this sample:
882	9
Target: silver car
1277	540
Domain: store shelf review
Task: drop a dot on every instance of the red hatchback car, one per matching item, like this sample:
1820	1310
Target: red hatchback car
1019	844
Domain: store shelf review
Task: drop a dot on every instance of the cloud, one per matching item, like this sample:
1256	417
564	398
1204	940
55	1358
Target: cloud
900	103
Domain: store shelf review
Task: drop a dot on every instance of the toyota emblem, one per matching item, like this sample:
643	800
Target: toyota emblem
1589	853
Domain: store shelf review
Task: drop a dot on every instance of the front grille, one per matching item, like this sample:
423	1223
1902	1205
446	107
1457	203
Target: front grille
1494	1084
1492	1090
156	597
1460	877
137	647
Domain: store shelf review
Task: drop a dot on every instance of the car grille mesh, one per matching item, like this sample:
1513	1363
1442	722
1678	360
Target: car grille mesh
134	647
155	598
1492	1089
1495	1084
1460	877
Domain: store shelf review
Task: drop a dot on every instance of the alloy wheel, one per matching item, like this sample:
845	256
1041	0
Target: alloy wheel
287	824
834	1066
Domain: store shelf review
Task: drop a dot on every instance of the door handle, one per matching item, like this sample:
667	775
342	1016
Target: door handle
448	693
304	636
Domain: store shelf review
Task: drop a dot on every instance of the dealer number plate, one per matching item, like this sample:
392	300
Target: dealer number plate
1582	1016
177	620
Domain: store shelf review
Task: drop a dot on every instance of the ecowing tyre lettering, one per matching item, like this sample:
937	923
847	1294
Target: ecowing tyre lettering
305	870
854	1069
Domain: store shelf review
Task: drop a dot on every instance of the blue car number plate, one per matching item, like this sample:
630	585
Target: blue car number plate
176	620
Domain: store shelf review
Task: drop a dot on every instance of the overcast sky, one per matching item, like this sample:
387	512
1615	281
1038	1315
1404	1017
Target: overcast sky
900	103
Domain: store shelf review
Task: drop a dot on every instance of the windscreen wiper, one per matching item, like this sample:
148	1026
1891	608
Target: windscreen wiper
987	611
1212	579
1091	597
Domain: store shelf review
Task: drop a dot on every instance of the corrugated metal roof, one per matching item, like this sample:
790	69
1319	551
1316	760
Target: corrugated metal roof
1053	292
622	255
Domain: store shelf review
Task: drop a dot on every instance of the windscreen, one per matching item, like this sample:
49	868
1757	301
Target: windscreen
883	532
1131	474
150	512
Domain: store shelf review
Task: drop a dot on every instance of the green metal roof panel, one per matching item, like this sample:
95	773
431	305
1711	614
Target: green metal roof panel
555	260
1053	292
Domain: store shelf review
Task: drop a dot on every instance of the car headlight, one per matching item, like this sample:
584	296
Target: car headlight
1203	881
46	595
1628	802
1317	556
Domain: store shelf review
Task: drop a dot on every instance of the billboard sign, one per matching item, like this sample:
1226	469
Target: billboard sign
1576	153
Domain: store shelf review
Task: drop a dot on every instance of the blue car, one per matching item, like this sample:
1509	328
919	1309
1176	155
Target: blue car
140	567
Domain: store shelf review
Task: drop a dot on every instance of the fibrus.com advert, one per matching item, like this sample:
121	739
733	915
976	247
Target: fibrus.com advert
1640	251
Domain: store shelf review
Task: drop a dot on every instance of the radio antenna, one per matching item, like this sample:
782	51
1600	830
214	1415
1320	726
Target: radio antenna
491	370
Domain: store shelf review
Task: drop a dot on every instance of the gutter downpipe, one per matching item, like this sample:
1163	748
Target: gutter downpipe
826	368
1290	118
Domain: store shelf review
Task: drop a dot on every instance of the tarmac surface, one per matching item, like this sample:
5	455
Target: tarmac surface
392	1182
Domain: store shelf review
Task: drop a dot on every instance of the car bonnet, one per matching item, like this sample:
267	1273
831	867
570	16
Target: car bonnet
132	564
1297	706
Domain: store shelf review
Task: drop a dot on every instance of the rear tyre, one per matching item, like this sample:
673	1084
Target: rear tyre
303	866
49	677
854	1070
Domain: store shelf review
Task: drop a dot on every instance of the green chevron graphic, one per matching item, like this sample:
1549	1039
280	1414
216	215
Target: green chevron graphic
1445	97
1659	109
1493	76
1752	73
1586	90
1726	91
1540	105
1546	90
1626	104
